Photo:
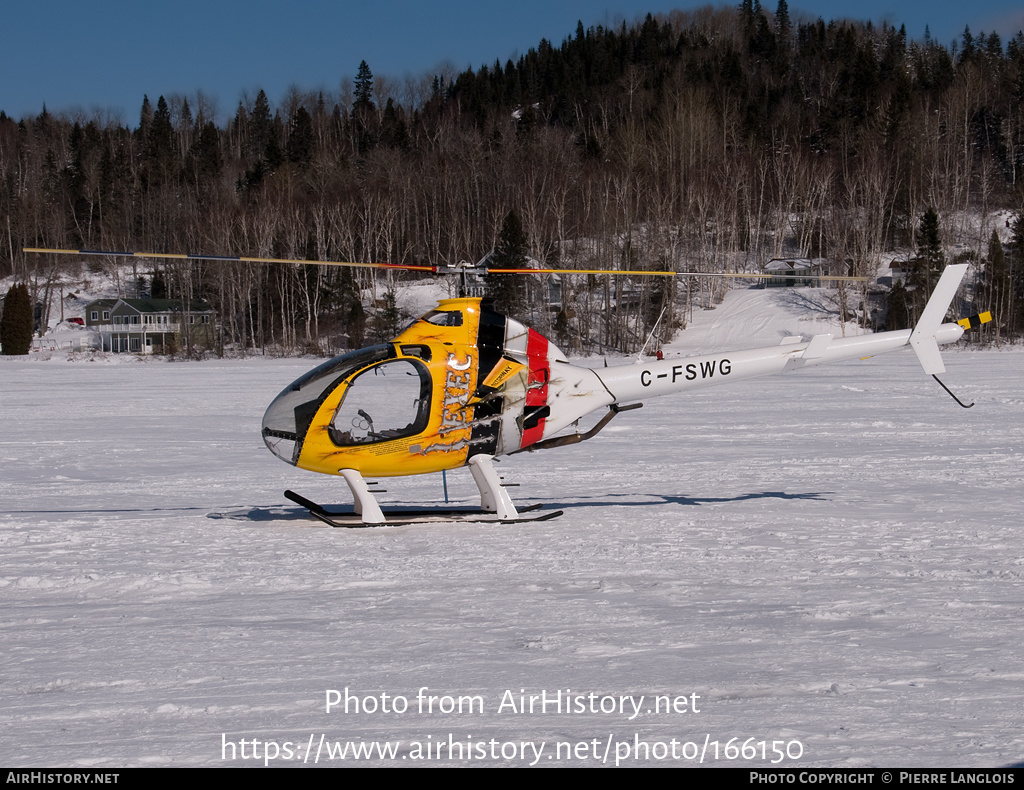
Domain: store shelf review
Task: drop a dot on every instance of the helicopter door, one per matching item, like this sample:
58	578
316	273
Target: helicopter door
388	401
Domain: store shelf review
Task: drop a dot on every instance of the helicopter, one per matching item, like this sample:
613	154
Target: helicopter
465	384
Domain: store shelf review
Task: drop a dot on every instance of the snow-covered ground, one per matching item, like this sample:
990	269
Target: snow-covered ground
751	317
830	561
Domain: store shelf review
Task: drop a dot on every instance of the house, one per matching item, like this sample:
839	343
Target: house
791	272
150	326
900	271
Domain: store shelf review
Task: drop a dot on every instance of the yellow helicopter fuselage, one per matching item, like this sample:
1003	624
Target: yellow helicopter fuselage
461	380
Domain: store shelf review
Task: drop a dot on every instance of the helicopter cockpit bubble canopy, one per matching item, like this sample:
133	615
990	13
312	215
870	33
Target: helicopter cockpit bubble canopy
288	418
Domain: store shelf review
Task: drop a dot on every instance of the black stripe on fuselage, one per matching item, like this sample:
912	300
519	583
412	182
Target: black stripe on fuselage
490	343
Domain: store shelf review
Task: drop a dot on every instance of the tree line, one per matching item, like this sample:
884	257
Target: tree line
710	140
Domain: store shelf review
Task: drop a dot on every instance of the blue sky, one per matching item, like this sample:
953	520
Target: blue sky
105	54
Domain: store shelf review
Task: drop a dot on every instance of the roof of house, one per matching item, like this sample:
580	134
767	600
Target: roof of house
786	264
529	263
155	305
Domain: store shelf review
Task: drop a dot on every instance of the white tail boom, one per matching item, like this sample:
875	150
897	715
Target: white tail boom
578	391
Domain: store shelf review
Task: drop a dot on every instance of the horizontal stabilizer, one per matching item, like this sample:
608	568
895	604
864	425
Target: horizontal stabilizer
816	348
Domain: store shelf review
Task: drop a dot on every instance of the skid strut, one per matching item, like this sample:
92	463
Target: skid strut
366	503
493	498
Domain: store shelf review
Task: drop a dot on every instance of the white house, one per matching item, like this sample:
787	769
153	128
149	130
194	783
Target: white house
149	326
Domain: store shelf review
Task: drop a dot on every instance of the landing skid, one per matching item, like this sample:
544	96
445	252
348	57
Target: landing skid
397	518
495	504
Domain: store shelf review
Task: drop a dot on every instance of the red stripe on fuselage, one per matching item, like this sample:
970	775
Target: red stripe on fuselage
537	390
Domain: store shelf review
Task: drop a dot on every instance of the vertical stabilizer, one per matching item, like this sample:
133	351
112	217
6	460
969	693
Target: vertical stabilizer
923	340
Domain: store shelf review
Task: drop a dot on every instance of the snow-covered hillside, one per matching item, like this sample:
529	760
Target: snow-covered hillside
830	561
750	317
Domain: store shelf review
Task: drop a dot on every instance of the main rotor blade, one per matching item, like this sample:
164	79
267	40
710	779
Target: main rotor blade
641	273
445	269
238	258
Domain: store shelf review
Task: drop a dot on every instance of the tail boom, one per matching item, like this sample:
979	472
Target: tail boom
635	382
638	382
573	392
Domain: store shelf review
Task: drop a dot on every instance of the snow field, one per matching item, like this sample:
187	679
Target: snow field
832	557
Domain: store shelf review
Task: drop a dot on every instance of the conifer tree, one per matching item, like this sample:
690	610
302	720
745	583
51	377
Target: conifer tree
273	155
145	117
344	300
930	260
1015	317
509	253
929	243
16	321
393	132
363	89
260	126
387	320
355	325
898	309
782	23
206	155
299	150
158	286
159	149
363	109
994	287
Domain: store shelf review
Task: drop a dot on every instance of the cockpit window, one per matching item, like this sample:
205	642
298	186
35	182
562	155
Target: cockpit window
288	418
444	317
385	402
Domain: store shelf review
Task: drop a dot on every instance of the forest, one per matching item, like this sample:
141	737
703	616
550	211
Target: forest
703	141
